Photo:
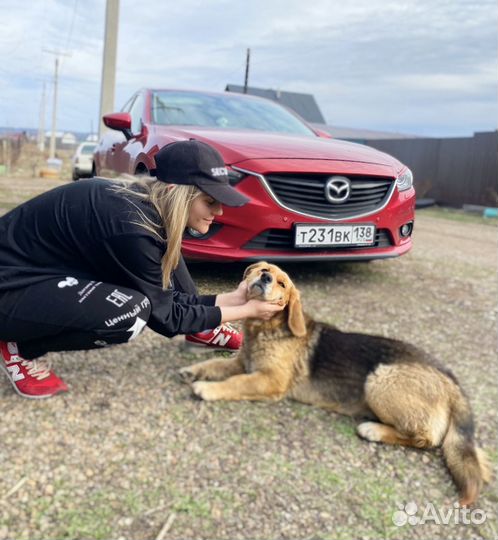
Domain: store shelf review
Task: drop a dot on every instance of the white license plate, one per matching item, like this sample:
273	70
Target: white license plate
334	235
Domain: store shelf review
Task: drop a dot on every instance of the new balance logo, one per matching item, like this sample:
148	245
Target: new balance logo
13	359
15	373
221	339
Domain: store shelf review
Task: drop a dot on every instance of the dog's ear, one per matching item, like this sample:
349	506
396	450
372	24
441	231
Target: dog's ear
252	266
295	319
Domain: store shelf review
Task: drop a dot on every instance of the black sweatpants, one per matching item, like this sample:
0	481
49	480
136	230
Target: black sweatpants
69	314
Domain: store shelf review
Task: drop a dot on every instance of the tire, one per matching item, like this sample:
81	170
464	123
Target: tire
75	176
141	170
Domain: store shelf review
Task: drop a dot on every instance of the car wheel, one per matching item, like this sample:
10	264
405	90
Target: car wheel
75	176
141	170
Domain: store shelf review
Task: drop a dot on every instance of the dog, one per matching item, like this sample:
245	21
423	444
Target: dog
405	395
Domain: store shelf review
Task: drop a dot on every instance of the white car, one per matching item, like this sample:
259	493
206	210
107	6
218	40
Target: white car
83	160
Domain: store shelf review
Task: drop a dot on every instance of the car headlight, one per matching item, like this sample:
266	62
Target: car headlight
234	177
405	180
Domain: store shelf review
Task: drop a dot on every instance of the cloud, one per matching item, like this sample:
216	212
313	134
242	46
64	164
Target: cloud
414	65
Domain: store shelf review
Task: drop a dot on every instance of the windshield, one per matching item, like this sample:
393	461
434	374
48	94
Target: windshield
88	148
225	111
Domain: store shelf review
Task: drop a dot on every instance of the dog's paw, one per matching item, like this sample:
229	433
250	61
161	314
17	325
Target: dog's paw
369	431
204	390
186	375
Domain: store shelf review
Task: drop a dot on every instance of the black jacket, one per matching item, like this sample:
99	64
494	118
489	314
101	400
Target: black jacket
85	229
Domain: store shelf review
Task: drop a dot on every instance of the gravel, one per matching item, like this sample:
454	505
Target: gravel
128	453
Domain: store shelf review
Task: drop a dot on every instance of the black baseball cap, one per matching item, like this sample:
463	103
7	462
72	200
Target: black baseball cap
196	163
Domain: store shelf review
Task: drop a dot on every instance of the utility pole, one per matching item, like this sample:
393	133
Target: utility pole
51	152
41	124
248	57
109	61
54	101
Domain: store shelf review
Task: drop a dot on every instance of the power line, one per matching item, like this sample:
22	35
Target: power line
70	33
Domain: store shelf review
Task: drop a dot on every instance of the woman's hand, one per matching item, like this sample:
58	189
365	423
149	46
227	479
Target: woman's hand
240	293
259	309
238	297
235	307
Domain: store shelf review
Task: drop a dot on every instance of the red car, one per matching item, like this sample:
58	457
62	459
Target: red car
312	197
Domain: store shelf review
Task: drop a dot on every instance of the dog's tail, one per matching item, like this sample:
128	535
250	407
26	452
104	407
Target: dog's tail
467	463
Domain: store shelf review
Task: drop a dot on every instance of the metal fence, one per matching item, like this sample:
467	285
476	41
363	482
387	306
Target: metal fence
453	171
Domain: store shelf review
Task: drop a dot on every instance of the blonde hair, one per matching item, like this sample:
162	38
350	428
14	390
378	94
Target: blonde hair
173	203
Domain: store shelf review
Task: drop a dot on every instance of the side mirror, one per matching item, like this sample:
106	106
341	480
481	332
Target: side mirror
119	122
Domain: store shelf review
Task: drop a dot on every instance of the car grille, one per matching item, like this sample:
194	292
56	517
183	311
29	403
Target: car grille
306	194
283	239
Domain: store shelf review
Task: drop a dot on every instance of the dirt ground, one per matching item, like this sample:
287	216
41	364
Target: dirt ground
128	454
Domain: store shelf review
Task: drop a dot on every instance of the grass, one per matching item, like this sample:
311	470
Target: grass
324	477
194	507
15	191
493	455
454	214
9	199
299	410
345	427
92	519
6	207
251	431
96	516
377	510
360	498
93	523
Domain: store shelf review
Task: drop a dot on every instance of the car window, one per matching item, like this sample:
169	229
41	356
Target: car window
136	113
225	111
88	149
128	104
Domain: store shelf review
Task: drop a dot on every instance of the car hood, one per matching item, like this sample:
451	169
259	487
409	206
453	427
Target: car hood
242	145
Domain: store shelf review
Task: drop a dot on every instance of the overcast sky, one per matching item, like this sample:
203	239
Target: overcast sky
427	67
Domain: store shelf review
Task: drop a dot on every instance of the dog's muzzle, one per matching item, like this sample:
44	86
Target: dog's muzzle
266	278
260	286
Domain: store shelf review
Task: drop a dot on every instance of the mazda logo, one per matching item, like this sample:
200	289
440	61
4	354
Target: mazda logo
337	189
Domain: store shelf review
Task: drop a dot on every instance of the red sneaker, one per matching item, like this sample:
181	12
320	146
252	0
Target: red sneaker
30	378
222	338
